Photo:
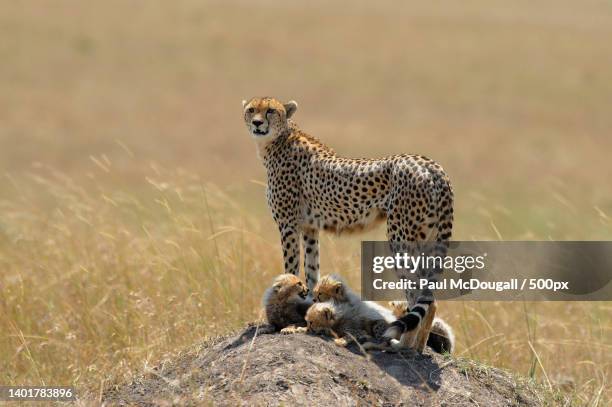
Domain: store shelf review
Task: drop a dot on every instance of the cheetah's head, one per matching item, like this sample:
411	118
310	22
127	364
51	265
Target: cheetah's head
289	288
321	317
329	288
266	118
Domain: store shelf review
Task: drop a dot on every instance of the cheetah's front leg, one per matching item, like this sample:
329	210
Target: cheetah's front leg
311	257
290	242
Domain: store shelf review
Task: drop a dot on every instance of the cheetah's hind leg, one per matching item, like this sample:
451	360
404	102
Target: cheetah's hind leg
426	324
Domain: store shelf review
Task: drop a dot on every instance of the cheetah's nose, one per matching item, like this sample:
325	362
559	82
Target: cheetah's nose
257	123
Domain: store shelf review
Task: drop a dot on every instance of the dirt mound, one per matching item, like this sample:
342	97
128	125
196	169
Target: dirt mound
257	367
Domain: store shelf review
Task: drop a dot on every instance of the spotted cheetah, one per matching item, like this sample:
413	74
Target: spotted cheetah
286	303
310	188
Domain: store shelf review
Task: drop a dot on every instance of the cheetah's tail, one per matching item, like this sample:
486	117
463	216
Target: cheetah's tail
441	338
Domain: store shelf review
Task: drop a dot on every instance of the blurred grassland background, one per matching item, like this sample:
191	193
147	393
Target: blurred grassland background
132	211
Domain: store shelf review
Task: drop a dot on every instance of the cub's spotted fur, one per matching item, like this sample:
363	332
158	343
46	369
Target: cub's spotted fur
338	308
311	188
347	322
286	302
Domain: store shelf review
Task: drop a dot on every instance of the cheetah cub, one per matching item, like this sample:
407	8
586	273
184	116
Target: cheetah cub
340	310
286	303
344	322
332	288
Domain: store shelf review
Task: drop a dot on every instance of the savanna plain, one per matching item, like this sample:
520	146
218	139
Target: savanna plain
133	221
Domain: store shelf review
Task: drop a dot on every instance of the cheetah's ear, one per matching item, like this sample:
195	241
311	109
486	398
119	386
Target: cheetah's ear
244	102
393	305
327	314
290	108
398	308
338	288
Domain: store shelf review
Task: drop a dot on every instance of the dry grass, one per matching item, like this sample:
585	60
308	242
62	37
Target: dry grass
114	253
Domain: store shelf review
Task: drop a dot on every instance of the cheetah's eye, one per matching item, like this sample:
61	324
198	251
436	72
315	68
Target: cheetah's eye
251	110
271	111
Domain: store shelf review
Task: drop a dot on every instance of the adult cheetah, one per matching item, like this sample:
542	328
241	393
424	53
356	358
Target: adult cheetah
310	188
